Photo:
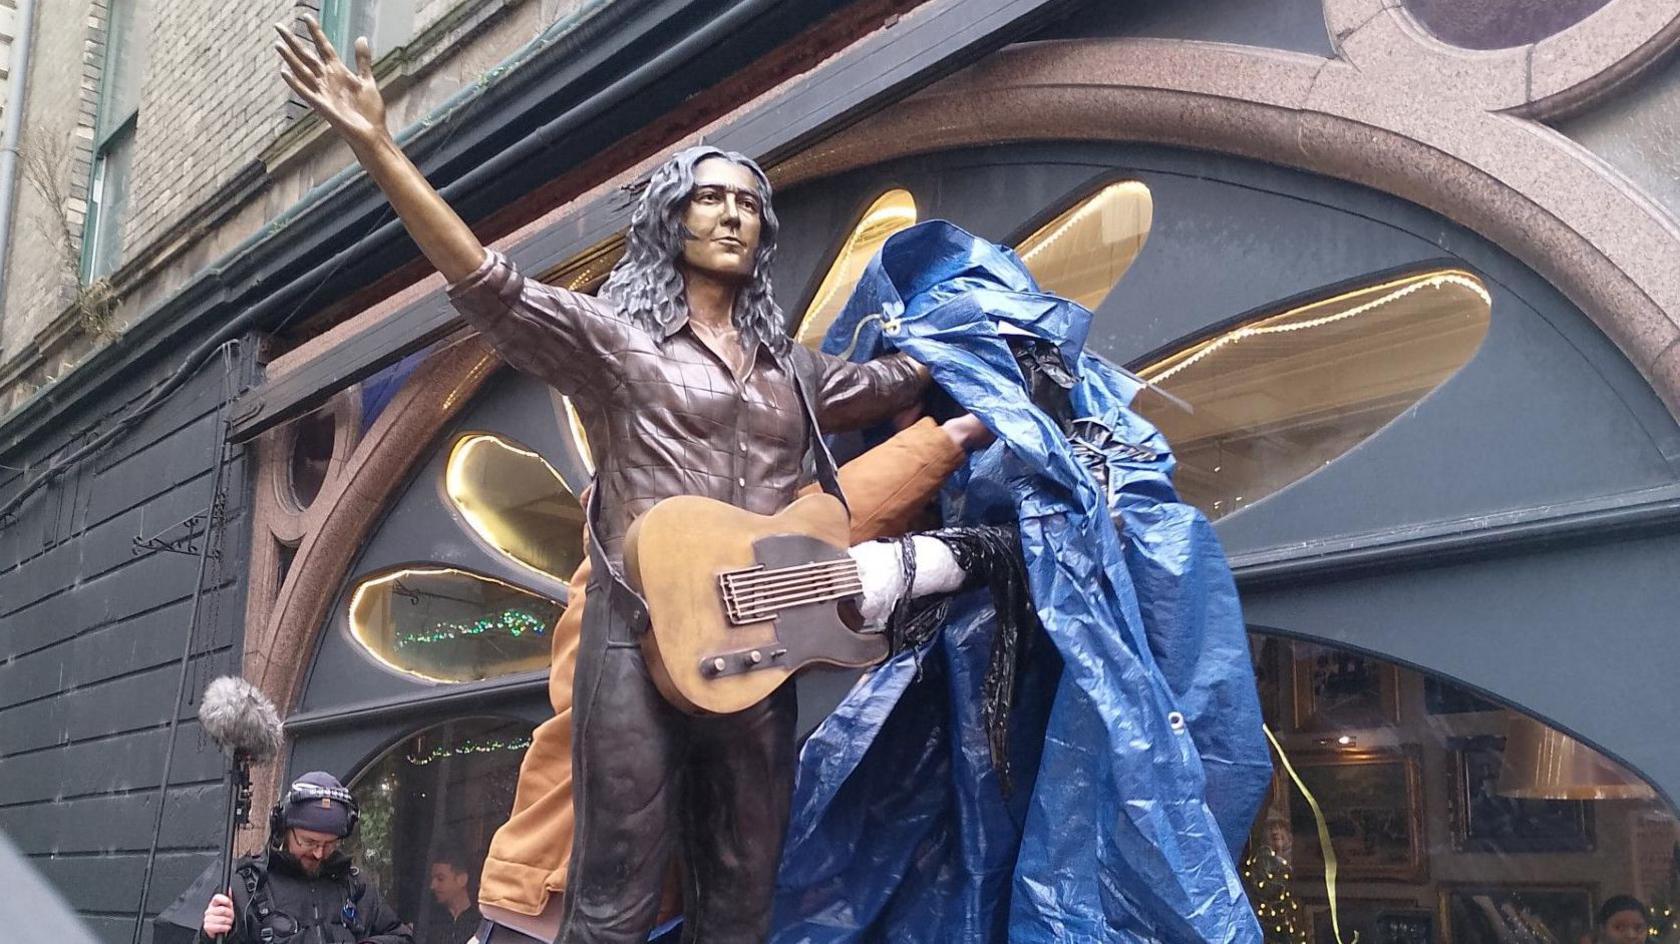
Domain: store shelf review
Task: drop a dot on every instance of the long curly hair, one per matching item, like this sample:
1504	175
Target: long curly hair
646	284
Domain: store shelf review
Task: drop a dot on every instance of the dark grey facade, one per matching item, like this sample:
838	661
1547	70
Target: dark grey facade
97	632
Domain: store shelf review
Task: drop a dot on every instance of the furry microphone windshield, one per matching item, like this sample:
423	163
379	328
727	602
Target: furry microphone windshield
240	718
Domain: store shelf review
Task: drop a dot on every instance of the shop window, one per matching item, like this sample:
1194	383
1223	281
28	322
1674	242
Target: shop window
1081	253
1451	818
1637	131
312	441
892	211
451	625
387	24
1499	24
1260	405
113	141
429	807
514	500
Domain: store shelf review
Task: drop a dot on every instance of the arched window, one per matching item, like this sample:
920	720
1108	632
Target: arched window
1450	817
430	803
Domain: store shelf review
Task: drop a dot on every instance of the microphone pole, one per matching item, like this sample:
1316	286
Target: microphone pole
243	723
238	814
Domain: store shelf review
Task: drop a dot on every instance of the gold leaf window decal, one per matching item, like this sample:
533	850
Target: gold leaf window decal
891	212
1085	250
516	502
1278	397
445	624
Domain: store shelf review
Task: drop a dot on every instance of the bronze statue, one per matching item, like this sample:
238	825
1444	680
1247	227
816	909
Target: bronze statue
688	385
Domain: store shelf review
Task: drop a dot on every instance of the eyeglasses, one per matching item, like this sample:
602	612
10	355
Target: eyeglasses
323	846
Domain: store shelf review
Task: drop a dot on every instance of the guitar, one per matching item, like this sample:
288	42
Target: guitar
738	602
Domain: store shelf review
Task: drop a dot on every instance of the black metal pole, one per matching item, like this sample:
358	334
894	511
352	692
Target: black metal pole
211	525
238	813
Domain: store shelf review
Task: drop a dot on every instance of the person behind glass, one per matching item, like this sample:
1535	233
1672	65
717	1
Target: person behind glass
449	877
302	888
1623	919
687	384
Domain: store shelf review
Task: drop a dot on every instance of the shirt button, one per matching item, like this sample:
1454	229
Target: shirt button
742	444
741	482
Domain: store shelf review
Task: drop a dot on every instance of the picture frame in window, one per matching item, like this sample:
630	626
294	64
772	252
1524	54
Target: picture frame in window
1372	801
1338	689
1469	913
1266	658
1376	921
1484	821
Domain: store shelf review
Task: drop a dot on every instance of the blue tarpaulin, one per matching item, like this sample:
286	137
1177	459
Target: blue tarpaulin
1135	736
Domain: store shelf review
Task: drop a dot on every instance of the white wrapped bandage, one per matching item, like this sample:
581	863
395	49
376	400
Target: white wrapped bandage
881	570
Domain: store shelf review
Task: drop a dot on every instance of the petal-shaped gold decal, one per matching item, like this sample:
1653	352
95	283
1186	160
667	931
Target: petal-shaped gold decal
574	424
1086	249
515	501
891	212
452	625
1278	397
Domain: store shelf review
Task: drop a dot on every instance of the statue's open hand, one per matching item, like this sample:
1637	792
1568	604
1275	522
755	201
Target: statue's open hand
348	100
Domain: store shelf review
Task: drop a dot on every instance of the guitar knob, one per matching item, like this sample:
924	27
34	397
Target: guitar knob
718	664
755	656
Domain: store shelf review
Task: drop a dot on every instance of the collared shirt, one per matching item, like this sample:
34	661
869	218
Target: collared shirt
663	414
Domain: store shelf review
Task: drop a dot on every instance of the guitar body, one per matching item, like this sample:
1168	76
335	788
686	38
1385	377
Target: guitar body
739	601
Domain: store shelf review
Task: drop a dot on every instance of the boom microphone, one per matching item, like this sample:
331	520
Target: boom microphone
242	722
240	719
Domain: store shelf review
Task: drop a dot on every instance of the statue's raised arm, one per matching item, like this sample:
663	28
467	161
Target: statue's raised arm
350	102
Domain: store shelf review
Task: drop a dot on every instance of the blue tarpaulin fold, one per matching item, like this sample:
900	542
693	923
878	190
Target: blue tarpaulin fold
1135	739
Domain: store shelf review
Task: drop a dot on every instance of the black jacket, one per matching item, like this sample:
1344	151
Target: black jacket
336	906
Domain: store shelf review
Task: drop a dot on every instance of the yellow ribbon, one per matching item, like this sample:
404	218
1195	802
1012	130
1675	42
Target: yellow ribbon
1323	837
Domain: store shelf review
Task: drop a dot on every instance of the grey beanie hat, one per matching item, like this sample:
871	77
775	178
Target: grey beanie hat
318	802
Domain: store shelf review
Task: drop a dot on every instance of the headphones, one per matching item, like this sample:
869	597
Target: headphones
302	792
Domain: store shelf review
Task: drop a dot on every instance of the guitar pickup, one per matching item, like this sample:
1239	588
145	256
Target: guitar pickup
741	661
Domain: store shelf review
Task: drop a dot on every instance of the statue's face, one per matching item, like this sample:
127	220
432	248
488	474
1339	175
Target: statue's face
723	218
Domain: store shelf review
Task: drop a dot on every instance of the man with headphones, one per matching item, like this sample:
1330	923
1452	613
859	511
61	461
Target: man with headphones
302	889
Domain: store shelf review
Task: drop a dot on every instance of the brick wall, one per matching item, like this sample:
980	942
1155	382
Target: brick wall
58	126
8	32
219	150
211	100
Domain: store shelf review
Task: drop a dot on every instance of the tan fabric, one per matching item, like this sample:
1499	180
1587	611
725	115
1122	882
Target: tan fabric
663	414
887	488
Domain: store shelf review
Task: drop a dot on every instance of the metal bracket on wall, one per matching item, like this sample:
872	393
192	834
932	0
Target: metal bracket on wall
184	544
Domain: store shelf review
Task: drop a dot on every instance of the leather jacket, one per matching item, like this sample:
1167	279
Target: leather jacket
663	414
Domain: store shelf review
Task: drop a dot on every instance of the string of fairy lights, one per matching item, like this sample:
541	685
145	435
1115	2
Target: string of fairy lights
513	623
1282	919
469	747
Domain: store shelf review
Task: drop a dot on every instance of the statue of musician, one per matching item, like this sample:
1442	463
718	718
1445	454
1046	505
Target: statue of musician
687	384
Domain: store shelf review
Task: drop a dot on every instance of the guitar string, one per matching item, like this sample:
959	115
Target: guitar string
762	593
797	598
748	592
803	594
789	575
784	572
